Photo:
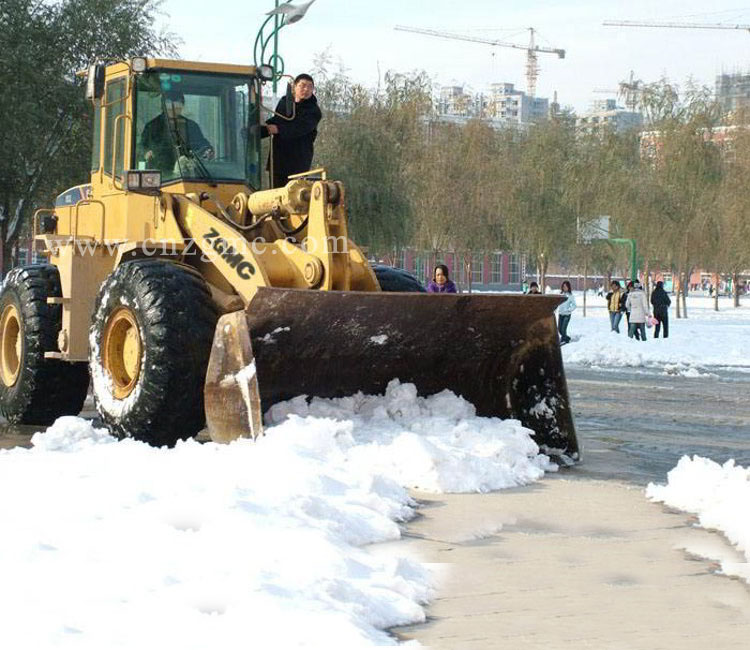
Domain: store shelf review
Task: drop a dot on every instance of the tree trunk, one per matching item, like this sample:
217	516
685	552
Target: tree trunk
6	248
585	284
736	288
677	282
542	266
467	269
716	291
685	287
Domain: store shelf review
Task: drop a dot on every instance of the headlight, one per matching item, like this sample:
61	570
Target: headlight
138	64
147	181
265	72
150	180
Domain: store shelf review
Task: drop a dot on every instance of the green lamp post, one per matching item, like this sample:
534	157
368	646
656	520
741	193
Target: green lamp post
633	255
283	15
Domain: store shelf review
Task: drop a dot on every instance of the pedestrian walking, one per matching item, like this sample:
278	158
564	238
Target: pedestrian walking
628	291
615	305
564	312
660	301
637	305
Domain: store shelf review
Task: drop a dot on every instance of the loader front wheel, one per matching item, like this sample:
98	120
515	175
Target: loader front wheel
151	337
34	389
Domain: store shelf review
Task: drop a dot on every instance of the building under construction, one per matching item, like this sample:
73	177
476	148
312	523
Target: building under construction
733	91
503	105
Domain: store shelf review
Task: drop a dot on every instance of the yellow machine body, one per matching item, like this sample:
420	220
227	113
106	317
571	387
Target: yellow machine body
279	263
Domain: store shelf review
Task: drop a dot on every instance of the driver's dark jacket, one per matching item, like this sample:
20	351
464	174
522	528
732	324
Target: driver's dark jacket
293	146
165	146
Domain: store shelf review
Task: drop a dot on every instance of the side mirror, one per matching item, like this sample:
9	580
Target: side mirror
95	82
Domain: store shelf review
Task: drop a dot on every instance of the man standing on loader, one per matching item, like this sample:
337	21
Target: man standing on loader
294	129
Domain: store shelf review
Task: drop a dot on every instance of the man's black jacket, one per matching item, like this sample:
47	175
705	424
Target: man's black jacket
660	300
293	145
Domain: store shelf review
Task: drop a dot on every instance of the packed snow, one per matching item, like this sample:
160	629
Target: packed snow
718	495
707	340
115	544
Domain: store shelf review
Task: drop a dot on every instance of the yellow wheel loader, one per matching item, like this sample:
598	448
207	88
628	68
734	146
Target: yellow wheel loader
192	296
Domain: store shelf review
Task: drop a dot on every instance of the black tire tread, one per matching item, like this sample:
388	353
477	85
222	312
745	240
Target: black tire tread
177	318
46	388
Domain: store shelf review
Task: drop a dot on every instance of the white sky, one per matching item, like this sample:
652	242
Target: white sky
360	33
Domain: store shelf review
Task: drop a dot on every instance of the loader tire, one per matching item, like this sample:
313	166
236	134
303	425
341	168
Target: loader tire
150	340
33	389
392	279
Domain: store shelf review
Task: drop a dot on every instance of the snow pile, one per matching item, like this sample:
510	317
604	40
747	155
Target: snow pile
262	544
436	444
717	494
707	339
70	434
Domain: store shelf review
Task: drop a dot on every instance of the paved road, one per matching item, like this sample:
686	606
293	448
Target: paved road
634	425
582	559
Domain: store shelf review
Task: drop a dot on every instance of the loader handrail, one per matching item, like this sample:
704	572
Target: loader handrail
103	104
115	134
78	205
35	219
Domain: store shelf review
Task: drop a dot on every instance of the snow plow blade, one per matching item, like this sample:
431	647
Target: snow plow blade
499	352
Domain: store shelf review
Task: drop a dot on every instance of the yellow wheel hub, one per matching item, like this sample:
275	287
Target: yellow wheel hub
11	345
121	351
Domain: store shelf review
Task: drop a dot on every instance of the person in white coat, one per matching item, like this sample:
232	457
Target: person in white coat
564	311
637	305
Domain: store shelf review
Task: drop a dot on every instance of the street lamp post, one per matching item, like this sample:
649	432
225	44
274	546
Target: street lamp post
633	255
281	16
590	230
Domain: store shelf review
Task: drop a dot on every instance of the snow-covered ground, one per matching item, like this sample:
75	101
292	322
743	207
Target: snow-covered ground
706	341
115	544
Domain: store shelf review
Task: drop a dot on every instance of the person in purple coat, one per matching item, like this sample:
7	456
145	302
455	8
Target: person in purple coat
440	282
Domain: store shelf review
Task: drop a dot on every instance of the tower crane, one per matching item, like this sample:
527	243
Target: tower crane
532	49
648	23
630	91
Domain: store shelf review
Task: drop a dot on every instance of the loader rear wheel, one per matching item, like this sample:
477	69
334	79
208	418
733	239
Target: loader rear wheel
392	279
33	389
151	337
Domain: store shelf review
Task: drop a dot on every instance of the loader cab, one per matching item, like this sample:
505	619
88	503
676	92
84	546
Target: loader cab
193	122
197	126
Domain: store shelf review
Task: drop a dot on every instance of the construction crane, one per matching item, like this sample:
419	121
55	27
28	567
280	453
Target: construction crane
532	49
647	23
630	91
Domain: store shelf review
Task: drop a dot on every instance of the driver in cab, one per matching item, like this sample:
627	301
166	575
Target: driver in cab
171	136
